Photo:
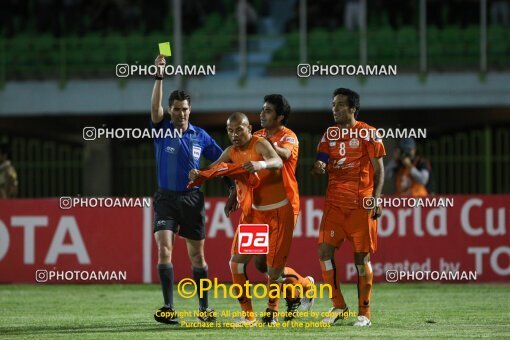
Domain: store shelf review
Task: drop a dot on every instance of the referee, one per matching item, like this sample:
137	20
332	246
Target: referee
177	209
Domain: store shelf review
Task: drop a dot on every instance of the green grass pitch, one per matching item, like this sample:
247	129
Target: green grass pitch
125	311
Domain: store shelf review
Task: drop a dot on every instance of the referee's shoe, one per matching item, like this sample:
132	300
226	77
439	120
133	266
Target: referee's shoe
207	315
166	315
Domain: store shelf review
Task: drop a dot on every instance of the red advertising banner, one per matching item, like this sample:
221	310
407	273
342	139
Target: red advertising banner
38	236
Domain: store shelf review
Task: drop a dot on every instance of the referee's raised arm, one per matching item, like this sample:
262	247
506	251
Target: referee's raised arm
157	92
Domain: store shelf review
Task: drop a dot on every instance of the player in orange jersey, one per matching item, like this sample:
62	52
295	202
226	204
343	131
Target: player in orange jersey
352	157
270	204
273	119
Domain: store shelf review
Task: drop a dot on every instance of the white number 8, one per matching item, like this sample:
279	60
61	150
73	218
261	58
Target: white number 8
342	149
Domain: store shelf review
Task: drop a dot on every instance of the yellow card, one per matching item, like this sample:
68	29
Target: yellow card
164	49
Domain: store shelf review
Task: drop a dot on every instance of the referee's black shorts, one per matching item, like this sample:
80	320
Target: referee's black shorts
180	212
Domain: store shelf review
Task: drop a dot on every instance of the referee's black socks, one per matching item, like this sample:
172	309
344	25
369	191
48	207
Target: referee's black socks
198	274
166	277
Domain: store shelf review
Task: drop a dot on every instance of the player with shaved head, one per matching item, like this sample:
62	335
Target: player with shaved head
267	203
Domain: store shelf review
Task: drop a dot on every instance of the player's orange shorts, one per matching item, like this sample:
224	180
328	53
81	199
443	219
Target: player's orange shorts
281	227
355	225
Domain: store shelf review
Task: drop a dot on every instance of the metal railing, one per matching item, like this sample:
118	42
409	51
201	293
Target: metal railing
463	163
47	168
473	162
470	162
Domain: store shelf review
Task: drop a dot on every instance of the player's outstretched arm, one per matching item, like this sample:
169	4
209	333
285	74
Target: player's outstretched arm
224	157
266	150
157	94
271	158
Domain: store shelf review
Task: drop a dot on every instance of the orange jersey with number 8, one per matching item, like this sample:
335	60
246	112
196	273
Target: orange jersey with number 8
351	174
